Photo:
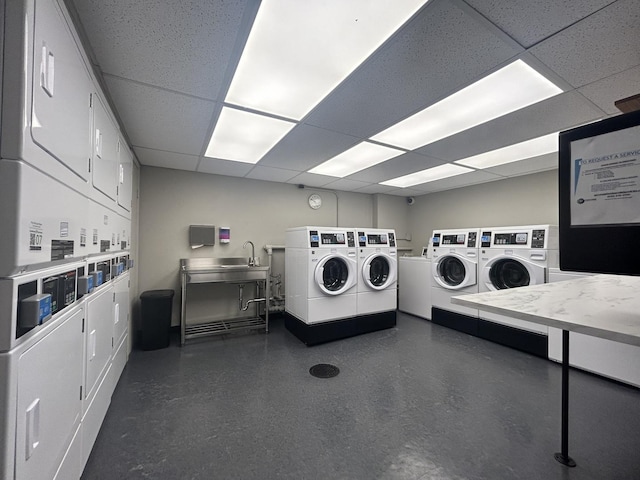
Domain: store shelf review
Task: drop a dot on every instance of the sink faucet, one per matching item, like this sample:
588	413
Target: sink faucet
252	258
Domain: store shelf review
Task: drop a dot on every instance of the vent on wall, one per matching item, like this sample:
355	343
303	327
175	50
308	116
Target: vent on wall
202	235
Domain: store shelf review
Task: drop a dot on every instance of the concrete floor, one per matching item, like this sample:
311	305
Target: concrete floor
418	401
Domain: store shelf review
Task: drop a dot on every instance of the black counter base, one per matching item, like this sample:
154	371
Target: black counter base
526	341
317	333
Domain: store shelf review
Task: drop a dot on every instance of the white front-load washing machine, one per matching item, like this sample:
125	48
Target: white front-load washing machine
320	274
454	269
513	257
377	271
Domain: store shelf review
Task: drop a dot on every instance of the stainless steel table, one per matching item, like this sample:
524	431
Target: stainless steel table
223	270
606	306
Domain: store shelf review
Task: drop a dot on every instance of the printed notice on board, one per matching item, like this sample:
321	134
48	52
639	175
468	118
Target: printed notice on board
605	172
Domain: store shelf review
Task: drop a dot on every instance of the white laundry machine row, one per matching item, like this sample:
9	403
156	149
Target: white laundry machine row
322	273
513	257
414	286
615	360
454	271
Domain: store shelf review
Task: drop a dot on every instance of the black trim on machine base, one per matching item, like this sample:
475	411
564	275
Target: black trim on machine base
317	333
530	342
524	340
455	320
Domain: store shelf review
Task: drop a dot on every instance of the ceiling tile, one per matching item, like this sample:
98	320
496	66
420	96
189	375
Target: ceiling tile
159	158
471	178
396	167
307	146
552	115
180	45
599	46
159	119
415	70
405	192
607	91
344	184
311	180
530	21
524	167
271	174
224	167
375	188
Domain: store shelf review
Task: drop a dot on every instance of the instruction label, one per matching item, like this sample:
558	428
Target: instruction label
605	172
35	236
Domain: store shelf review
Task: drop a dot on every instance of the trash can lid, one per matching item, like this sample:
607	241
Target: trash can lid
157	294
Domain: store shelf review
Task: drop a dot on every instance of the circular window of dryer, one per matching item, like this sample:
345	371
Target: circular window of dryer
509	273
454	272
379	271
335	274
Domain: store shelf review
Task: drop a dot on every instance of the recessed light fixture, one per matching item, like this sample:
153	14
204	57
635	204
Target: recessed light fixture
363	155
245	137
297	52
513	153
428	175
509	89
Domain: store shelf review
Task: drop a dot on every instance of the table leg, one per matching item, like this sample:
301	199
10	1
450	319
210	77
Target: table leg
563	457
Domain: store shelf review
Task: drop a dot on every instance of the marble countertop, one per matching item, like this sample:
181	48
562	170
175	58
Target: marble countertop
606	306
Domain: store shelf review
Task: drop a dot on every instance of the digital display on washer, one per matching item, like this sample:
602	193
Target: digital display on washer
333	238
472	240
457	239
510	239
436	240
377	239
485	239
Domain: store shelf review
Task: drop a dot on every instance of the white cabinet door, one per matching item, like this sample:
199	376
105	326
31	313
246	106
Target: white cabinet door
49	405
98	337
61	115
125	175
105	151
120	309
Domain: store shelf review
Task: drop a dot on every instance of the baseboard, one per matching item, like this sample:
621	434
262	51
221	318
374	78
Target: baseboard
524	340
454	320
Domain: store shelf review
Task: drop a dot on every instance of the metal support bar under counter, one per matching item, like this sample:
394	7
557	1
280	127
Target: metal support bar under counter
223	270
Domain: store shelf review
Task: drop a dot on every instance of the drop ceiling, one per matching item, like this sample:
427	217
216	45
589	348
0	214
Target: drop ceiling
167	66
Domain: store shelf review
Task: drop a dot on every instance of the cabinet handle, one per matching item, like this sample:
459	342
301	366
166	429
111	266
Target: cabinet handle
33	428
92	345
47	70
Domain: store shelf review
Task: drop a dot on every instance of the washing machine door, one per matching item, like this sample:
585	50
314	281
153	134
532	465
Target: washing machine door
379	271
454	271
505	272
335	274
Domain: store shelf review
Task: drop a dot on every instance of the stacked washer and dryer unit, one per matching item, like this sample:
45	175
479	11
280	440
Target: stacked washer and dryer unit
65	216
340	282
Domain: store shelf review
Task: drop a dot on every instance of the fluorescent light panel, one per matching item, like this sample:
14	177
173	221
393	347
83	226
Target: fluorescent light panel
245	137
509	89
299	51
363	155
513	153
428	175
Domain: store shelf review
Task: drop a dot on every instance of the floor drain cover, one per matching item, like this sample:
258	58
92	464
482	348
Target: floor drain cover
324	370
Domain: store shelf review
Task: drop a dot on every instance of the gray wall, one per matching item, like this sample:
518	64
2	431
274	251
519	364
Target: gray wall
171	200
526	200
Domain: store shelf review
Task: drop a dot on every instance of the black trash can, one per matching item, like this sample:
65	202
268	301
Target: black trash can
155	310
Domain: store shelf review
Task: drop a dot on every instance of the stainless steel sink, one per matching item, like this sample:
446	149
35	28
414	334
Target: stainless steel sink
224	269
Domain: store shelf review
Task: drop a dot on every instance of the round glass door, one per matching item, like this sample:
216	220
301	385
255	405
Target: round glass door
508	273
452	271
335	273
378	271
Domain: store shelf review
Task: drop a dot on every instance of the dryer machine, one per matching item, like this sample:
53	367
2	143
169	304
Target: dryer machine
454	268
377	271
513	257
